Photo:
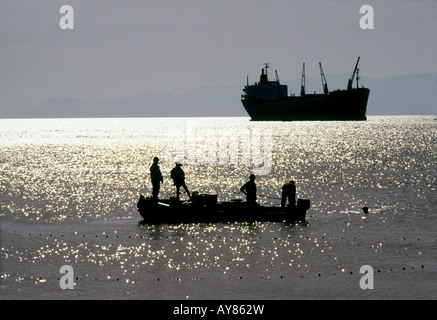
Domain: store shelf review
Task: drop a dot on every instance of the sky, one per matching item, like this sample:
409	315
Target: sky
124	48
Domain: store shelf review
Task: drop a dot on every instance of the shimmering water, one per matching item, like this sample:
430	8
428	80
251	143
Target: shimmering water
68	192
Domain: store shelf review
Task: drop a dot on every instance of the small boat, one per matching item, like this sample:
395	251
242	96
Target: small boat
206	209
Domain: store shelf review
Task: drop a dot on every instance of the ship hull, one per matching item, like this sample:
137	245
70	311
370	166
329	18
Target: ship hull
176	212
338	105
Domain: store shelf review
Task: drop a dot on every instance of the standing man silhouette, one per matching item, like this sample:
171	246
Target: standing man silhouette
289	192
156	176
249	189
178	177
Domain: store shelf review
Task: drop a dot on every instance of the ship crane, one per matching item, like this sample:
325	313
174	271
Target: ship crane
324	83
302	83
358	76
349	85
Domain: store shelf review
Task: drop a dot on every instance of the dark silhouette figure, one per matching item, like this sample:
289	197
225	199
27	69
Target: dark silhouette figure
289	193
178	177
249	189
365	209
156	176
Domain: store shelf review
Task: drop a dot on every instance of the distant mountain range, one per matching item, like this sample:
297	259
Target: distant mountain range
414	94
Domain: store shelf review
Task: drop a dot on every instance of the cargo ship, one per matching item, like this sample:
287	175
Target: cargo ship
268	100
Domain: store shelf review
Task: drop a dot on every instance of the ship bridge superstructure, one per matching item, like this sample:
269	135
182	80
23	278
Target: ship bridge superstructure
266	89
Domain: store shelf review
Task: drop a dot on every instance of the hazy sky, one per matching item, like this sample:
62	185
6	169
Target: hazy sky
121	48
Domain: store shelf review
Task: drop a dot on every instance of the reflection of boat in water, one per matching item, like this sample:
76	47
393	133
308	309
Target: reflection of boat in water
269	100
206	209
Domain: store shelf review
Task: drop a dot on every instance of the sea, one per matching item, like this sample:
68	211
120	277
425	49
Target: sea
70	229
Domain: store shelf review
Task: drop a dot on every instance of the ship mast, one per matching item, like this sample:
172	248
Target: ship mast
266	66
302	83
264	78
324	83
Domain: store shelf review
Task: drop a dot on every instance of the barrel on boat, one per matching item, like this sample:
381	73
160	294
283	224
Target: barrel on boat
303	204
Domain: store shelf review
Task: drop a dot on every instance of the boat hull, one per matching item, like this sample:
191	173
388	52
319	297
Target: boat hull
338	105
164	212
